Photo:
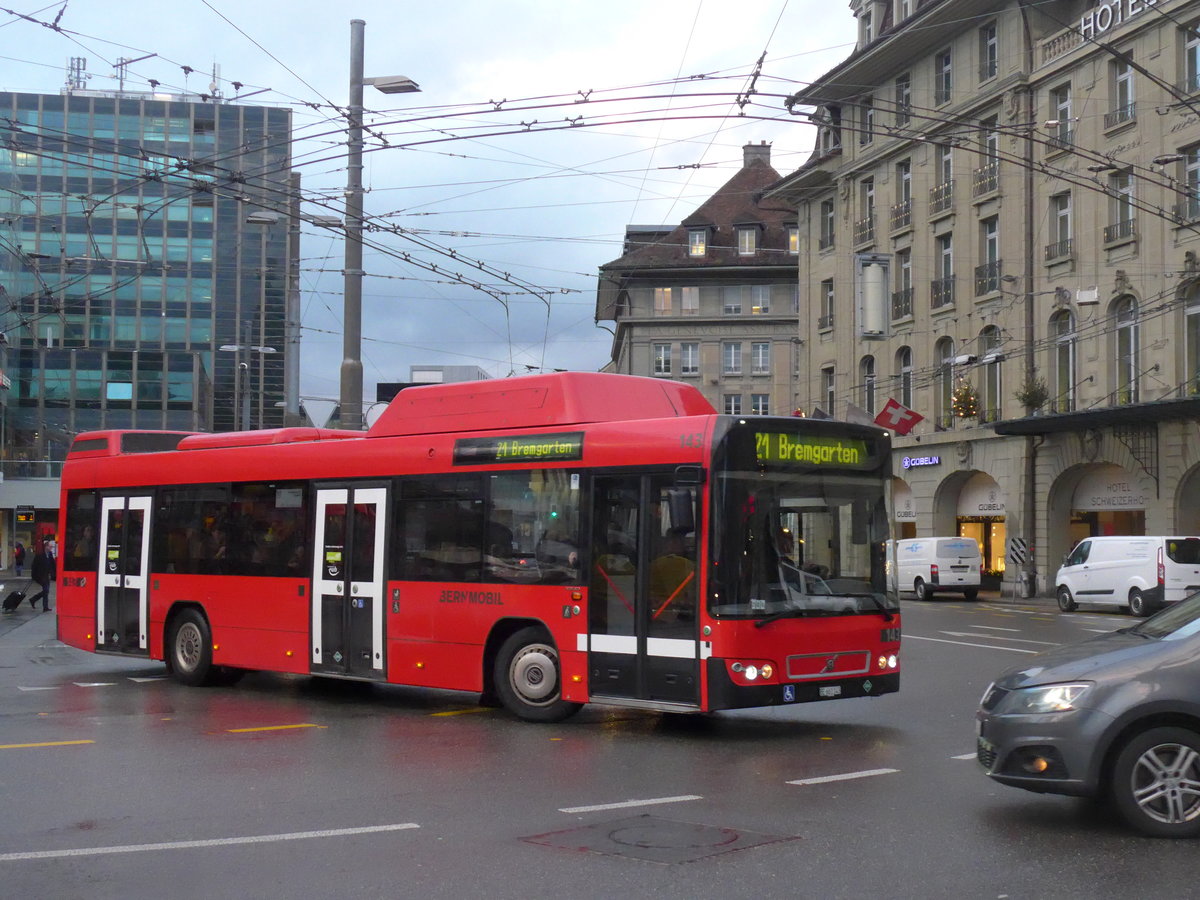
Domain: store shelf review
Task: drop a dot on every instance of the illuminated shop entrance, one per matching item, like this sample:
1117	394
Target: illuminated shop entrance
1109	500
981	516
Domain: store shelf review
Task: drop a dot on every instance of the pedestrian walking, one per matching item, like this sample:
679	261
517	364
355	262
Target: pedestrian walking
18	557
43	572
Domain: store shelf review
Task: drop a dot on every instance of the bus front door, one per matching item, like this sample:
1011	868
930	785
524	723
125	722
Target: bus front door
643	643
348	582
122	602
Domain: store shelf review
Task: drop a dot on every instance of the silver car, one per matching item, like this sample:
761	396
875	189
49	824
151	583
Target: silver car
1117	716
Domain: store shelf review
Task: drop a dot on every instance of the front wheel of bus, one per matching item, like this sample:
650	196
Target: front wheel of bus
190	649
528	678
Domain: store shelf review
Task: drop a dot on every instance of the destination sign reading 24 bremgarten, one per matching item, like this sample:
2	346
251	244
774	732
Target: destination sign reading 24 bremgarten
806	450
518	448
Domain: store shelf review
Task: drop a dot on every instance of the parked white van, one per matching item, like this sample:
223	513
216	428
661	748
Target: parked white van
934	565
1142	573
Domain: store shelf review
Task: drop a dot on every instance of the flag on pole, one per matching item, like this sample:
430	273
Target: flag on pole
897	418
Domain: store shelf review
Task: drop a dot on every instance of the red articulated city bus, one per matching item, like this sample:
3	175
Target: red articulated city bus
547	541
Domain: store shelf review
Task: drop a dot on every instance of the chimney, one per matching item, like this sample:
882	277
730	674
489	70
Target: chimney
751	152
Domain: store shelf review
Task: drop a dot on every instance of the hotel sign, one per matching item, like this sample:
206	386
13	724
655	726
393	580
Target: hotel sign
1112	14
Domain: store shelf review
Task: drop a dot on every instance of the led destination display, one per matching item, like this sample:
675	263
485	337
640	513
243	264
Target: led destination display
518	448
778	448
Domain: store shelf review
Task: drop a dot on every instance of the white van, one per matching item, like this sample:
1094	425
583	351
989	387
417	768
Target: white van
1142	573
934	565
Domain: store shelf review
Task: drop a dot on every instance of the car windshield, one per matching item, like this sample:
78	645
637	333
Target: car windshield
1178	621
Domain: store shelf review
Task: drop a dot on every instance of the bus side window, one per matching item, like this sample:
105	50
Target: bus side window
439	529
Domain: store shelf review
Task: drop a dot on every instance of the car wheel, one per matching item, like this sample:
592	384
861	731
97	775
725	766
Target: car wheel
971	594
190	649
1156	782
528	679
921	589
1065	601
1138	605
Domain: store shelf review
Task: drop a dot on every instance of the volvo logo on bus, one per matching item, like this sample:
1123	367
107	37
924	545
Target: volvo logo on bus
829	664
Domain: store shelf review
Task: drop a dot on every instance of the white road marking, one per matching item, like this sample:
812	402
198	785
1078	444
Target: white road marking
1099	630
628	803
148	678
995	628
21	687
94	683
999	638
214	842
965	756
916	637
825	779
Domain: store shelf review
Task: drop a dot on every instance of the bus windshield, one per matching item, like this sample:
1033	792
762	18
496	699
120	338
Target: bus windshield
799	539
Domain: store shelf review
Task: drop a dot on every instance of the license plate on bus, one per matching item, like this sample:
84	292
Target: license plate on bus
832	690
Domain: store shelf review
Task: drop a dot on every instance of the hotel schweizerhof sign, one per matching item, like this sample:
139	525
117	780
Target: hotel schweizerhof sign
1113	14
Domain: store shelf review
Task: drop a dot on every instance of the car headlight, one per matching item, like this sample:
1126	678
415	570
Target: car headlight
1050	698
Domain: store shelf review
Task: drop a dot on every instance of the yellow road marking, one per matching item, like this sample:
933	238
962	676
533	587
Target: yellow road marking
43	744
272	728
463	712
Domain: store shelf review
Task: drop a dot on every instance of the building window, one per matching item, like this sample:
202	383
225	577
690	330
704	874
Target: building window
903	99
697	242
1062	131
904	9
990	399
866	376
1121	226
733	404
987	273
793	239
866	28
826	319
866	129
690	297
828	395
827	225
760	358
944	381
903	296
662	359
1191	59
1062	330
747	240
864	228
988	55
943	285
1121	84
1126	314
760	404
760	299
662	301
901	216
731	358
1191	332
689	359
1188	209
1060	227
943	81
904	376
731	296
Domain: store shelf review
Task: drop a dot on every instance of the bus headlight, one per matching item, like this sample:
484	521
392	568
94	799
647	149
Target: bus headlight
888	661
751	673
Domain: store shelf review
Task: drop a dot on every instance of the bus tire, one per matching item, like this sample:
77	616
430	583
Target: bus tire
189	648
528	678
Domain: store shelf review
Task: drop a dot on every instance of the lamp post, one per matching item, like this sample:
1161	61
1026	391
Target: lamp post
242	383
352	370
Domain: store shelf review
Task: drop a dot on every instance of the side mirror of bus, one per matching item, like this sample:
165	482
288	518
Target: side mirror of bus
681	504
689	475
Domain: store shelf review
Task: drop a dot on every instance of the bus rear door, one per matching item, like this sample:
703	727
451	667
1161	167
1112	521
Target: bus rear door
643	644
348	581
122	602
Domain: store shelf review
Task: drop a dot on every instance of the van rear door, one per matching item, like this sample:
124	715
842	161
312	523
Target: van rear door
958	561
1180	568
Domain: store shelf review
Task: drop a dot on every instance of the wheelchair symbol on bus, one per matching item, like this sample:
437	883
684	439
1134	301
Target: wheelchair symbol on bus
789	693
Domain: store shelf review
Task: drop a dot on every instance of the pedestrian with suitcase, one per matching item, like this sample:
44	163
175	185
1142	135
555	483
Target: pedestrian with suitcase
43	572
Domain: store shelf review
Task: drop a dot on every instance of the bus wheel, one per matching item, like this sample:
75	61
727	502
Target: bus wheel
528	679
190	649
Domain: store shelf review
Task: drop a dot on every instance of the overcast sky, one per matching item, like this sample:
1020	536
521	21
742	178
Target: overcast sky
482	161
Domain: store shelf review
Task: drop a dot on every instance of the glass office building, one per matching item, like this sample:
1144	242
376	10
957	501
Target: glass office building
145	252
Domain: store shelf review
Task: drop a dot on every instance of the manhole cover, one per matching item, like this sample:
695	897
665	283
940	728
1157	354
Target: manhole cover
656	840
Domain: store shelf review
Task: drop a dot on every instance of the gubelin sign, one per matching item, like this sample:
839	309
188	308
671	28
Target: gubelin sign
1112	14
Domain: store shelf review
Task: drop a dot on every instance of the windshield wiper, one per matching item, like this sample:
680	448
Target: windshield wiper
785	614
888	615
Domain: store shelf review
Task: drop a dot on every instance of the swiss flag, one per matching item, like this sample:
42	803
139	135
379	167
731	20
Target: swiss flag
897	418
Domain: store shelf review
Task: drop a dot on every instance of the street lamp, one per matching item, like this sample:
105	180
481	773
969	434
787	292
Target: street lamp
352	369
242	385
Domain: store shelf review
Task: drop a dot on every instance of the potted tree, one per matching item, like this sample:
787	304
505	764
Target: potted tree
1033	394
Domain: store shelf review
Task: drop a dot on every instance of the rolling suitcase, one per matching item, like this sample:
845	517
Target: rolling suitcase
15	598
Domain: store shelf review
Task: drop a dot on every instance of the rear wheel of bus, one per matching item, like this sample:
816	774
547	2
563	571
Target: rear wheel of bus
528	678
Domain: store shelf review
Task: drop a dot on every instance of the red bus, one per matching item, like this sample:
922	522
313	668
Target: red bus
545	541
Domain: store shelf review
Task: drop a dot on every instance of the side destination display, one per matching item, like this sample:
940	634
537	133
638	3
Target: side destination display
518	448
778	448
